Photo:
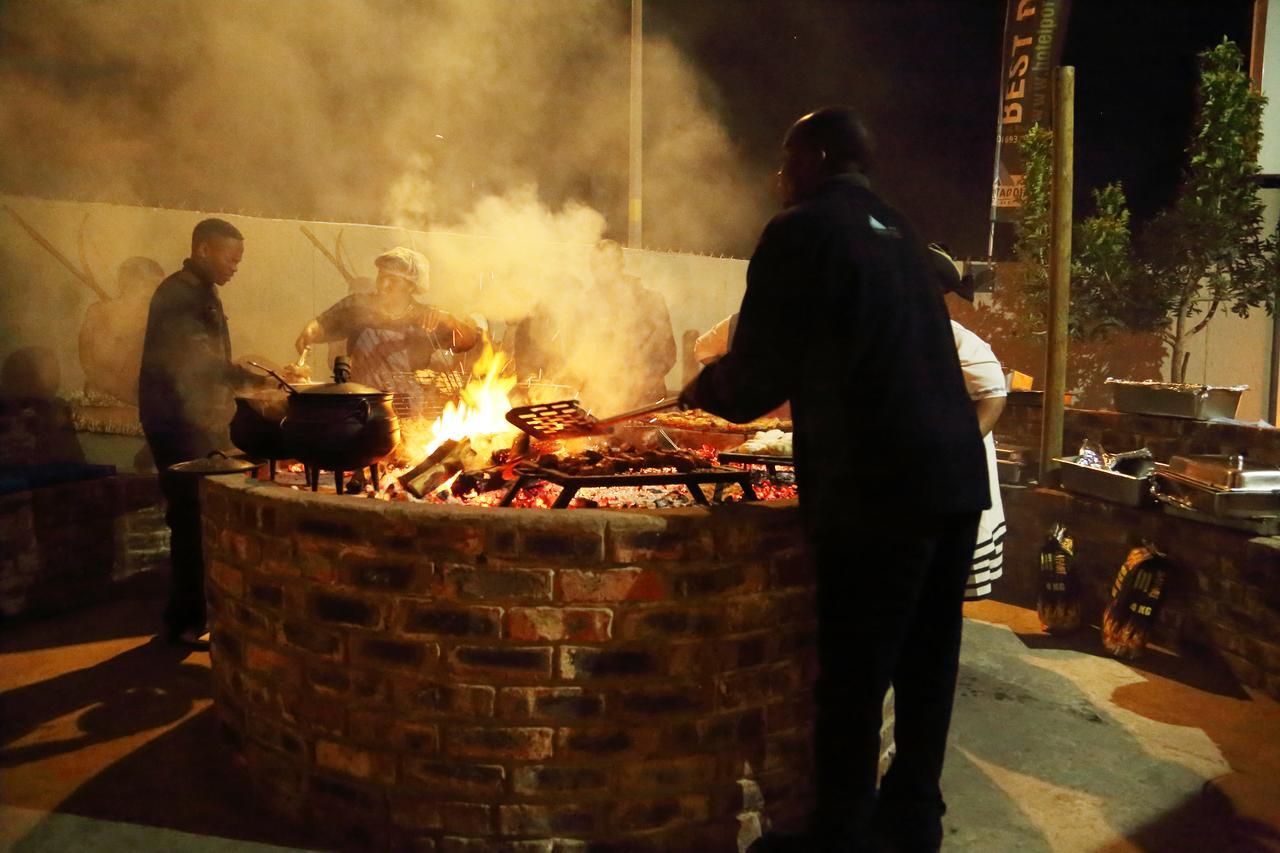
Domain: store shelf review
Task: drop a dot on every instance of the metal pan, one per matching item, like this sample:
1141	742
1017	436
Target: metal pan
567	418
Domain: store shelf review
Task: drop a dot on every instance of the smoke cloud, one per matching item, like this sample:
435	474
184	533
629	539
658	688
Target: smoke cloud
377	111
499	120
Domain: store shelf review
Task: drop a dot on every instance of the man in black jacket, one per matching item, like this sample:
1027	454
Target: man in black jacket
842	317
184	400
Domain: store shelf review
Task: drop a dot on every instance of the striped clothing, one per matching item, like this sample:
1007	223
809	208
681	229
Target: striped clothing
983	378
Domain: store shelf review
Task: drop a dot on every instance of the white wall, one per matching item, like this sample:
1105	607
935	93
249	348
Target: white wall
283	281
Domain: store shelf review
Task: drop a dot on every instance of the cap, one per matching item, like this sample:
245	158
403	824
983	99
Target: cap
948	274
405	263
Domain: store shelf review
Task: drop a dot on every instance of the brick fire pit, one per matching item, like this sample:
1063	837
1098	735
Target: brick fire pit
467	678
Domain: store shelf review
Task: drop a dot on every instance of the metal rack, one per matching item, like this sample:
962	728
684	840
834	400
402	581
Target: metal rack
691	480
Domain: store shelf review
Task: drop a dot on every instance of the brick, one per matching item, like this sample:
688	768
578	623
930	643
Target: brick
345	610
225	648
673	621
752	686
657	814
266	595
466	540
454	844
381	574
549	703
559	819
594	742
397	653
793	568
605	585
667	775
454	622
313	559
659	702
324	529
272	736
524	744
470	700
563	544
684	542
582	662
512	662
270	662
358	763
313	639
455	779
536	780
578	624
787	750
304	708
281	776
384	730
227	577
716	581
328	679
476	818
754	650
416	812
506	585
245	549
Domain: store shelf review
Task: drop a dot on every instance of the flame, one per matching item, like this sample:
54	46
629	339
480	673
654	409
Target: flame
481	409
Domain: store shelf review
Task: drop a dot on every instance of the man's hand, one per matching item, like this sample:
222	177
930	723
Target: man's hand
688	397
294	372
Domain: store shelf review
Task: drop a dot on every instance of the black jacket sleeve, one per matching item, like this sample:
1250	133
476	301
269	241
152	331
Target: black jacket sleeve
755	377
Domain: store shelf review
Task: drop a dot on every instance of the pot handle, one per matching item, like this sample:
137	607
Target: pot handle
364	411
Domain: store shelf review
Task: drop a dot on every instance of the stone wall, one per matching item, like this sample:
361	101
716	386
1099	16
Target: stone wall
64	545
457	678
1223	595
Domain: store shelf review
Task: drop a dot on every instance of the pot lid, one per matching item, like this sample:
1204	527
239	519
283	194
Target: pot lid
341	386
340	389
1227	472
216	462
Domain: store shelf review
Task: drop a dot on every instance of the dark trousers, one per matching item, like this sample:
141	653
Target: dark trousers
186	607
890	592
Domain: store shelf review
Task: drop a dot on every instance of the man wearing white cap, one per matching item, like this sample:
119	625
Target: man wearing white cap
388	329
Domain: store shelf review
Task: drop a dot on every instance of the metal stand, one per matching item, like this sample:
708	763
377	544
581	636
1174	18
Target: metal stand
570	484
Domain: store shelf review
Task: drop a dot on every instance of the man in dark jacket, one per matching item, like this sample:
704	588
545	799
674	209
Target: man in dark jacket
184	400
842	317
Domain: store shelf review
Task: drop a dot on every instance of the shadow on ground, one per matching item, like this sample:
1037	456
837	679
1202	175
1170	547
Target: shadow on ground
132	607
183	780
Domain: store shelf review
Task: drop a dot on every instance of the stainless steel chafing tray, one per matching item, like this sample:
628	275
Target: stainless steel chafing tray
1228	487
1200	402
1102	483
1226	472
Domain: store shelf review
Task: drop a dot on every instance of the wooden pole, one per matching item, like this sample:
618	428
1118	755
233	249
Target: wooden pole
1055	381
635	185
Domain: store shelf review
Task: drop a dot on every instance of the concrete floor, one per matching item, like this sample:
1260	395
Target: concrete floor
107	743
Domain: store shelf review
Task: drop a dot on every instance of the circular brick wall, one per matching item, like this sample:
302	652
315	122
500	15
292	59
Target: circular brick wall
478	679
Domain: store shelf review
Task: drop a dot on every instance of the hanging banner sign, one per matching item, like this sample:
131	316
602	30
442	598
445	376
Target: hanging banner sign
1034	31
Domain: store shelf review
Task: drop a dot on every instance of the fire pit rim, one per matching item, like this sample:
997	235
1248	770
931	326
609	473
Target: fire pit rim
465	512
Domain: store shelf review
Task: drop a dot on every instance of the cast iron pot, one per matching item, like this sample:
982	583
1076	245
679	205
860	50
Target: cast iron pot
343	426
255	427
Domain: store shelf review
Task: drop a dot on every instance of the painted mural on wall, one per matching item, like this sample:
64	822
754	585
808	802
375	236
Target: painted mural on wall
77	279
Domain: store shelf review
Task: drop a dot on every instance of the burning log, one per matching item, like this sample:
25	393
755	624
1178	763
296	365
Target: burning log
444	463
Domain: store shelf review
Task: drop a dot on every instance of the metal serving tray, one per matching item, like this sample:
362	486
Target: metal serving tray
1172	488
1101	483
1226	472
1199	402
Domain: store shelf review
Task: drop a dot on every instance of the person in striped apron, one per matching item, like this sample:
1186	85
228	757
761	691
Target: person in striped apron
984	380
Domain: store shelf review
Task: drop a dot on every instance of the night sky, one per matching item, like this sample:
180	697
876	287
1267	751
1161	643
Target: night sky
925	73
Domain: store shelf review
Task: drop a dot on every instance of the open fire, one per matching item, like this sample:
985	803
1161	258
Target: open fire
470	454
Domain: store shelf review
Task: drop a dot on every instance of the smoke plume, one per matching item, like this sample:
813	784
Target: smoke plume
407	113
